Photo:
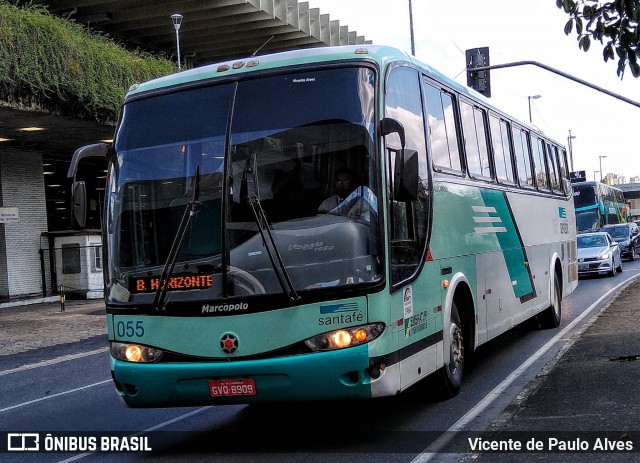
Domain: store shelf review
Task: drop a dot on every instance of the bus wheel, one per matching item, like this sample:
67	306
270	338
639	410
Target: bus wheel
453	359
551	316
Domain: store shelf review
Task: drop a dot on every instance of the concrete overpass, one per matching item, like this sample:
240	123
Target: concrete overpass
35	148
211	30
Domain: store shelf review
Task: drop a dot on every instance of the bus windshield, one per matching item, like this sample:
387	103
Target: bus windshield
587	221
247	171
584	195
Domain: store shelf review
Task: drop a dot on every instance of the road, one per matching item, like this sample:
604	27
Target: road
67	391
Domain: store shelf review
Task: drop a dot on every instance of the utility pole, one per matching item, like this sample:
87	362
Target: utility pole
571	137
413	44
604	156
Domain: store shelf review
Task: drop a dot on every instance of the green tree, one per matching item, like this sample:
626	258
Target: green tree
613	23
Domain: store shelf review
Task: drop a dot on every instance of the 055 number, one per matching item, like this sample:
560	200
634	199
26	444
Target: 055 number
130	328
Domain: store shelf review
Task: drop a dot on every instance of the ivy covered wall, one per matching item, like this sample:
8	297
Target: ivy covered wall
55	65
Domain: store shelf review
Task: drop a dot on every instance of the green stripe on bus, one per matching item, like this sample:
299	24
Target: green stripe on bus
511	243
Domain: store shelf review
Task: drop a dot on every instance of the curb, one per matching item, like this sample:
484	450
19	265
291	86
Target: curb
22	302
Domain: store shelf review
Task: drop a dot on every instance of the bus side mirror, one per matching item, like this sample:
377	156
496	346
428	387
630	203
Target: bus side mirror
79	204
405	181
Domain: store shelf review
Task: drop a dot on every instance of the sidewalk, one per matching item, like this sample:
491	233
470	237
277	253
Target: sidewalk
591	393
26	327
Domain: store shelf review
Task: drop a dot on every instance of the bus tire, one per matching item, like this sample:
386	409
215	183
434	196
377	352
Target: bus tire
453	368
550	317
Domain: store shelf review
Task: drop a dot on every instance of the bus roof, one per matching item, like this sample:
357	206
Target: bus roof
381	54
592	183
378	53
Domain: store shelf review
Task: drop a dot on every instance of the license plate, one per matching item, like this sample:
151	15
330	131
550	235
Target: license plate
232	387
583	266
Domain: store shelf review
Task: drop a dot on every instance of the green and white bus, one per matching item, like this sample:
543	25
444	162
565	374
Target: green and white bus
597	205
225	282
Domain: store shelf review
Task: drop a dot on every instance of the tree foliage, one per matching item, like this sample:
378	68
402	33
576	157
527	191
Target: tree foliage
55	65
614	24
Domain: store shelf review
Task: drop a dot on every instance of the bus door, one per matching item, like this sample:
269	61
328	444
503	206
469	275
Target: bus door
418	308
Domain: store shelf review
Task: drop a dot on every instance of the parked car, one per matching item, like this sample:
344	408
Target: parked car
627	235
598	253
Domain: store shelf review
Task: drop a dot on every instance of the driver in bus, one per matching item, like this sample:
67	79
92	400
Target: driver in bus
344	186
354	202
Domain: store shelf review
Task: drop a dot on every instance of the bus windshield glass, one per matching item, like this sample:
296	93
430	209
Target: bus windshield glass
246	171
587	221
584	195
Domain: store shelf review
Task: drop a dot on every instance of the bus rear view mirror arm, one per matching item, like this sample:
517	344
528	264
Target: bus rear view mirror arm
97	150
389	126
78	189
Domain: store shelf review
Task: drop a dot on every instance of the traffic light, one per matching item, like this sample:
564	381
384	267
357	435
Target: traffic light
478	80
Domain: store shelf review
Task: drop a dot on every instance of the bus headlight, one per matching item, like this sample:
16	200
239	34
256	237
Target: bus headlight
345	337
135	352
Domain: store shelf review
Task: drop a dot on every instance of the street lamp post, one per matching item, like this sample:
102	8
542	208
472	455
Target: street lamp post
532	97
176	19
571	137
413	44
601	157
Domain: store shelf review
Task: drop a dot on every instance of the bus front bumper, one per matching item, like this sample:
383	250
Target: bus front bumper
317	376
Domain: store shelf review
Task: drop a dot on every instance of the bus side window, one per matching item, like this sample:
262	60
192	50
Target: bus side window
542	179
409	220
523	161
501	149
552	162
443	138
475	140
564	171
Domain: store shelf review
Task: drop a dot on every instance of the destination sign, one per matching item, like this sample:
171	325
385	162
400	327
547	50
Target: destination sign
175	283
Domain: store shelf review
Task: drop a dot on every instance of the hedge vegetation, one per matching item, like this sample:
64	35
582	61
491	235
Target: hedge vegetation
55	65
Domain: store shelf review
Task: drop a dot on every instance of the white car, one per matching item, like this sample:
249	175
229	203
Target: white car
598	253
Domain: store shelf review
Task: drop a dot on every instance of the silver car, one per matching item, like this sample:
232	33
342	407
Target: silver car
598	253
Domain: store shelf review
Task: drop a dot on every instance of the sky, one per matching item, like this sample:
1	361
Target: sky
517	30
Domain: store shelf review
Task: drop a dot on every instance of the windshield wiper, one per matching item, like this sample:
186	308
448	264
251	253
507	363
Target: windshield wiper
265	231
189	211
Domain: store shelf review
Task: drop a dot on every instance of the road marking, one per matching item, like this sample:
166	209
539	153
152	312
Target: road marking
53	396
446	437
45	363
145	431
